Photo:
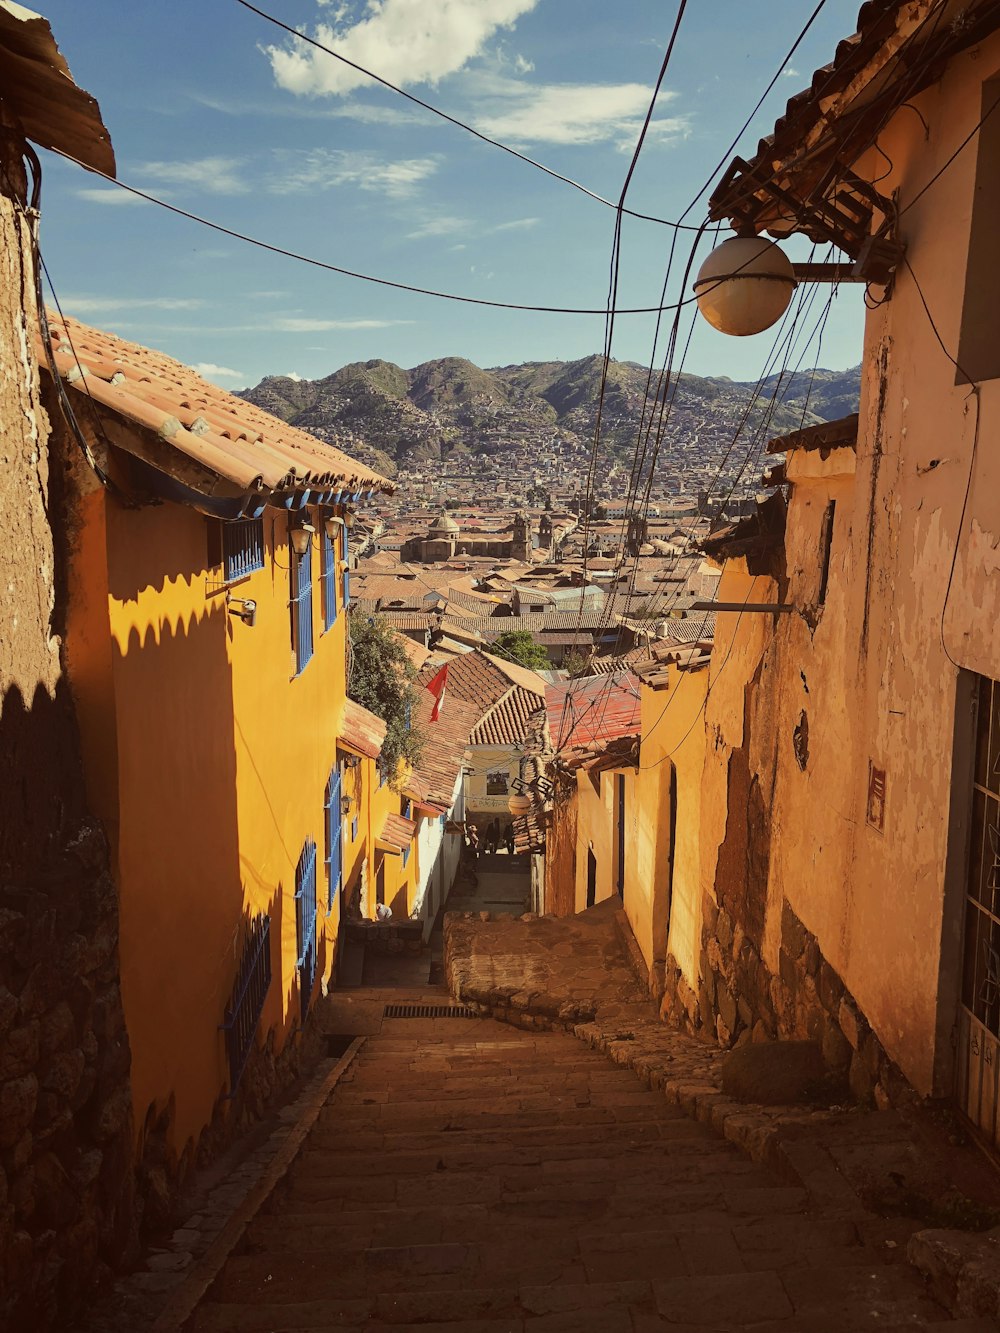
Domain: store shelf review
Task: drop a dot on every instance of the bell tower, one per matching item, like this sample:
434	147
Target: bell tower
520	546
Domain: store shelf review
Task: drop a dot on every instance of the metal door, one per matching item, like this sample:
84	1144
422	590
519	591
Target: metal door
978	1054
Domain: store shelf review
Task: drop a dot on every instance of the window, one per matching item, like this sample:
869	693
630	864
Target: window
381	766
246	1003
825	548
328	576
497	782
302	624
354	829
305	923
978	345
242	548
334	849
347	572
407	814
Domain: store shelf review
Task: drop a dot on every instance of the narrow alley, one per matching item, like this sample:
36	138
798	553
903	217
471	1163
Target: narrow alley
465	1174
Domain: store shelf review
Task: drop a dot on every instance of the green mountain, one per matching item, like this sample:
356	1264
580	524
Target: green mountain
390	417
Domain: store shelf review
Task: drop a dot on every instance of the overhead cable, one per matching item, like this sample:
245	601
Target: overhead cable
453	120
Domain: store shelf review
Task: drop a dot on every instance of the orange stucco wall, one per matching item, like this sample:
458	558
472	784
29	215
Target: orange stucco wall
208	759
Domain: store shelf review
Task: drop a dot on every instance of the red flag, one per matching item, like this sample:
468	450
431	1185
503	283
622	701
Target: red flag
437	686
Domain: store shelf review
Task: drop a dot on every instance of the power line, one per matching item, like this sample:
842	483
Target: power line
454	120
368	277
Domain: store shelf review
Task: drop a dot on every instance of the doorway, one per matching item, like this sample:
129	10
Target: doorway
591	877
977	1064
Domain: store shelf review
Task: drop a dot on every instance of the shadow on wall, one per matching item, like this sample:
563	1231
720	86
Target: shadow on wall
182	895
65	1108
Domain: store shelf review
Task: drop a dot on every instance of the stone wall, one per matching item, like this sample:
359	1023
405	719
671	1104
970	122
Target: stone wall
740	1000
67	1205
68	1213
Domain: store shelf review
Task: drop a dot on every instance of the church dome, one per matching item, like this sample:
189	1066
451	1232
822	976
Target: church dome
443	526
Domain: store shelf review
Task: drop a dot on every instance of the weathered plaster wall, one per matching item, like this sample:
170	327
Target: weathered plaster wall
663	880
597	830
67	1201
817	922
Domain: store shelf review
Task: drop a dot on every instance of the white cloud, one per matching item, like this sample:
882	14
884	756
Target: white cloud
582	113
212	175
443	226
107	195
213	372
306	325
405	41
293	375
791	74
100	305
324	168
517	224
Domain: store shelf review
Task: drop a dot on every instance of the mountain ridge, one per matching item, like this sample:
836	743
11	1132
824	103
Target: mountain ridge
391	417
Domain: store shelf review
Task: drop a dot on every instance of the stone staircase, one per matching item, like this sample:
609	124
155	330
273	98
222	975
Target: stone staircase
467	1175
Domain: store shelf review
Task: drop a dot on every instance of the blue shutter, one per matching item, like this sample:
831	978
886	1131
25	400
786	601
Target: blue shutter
305	923
334	846
328	554
302	625
347	572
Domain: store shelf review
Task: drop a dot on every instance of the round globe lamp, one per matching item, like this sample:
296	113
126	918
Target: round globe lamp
745	285
518	805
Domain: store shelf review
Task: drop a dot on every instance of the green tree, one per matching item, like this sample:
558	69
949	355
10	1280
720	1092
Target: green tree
517	645
576	663
382	679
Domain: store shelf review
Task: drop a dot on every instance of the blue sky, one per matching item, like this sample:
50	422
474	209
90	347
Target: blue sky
215	110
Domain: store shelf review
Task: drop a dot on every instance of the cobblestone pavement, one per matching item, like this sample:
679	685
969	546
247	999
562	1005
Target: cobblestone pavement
468	1175
899	1177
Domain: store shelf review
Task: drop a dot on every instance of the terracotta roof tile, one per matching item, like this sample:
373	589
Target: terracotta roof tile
507	721
191	421
397	831
445	742
361	730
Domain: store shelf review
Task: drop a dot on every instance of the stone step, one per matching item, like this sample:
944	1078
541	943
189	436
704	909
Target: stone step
456	1154
673	1130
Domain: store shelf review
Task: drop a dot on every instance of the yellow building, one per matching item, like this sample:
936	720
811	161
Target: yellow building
206	644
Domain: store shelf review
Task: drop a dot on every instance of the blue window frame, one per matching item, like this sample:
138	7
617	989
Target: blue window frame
246	1003
381	766
347	572
242	547
328	576
302	612
334	844
305	923
407	814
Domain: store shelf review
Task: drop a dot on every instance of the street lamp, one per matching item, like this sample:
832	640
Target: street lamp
745	285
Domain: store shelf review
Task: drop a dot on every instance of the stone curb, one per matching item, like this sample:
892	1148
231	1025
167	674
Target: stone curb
185	1296
963	1269
697	1090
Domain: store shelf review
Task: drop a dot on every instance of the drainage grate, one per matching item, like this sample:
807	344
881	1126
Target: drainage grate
428	1011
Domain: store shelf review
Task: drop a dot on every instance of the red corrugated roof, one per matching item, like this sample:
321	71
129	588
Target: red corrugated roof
597	708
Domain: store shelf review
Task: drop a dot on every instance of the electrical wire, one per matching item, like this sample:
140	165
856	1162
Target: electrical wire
368	277
455	120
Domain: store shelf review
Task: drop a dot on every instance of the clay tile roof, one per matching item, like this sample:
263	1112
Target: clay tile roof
38	87
507	721
416	652
397	831
474	678
361	730
432	781
593	709
190	429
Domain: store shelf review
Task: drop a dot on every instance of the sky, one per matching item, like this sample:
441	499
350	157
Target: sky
219	112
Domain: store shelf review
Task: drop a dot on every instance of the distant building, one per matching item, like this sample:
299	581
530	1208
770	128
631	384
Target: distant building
444	540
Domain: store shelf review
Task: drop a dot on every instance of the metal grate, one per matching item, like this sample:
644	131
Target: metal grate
302	625
428	1011
242	547
247	1001
328	577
